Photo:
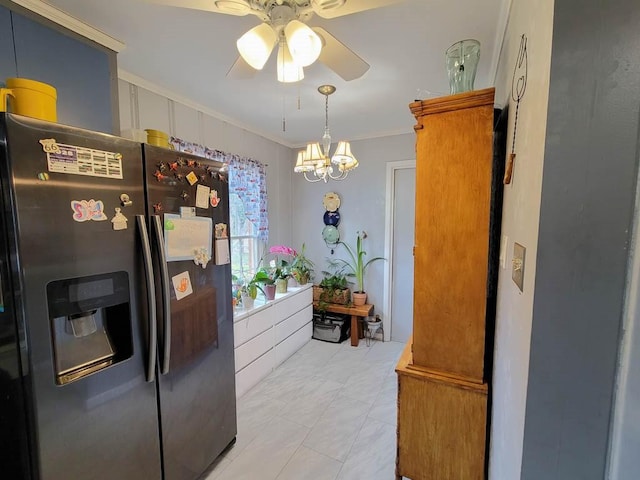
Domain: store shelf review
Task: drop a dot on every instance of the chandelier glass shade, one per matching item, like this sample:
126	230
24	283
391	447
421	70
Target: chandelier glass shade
314	162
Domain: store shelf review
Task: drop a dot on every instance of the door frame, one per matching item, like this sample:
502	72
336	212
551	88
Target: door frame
392	168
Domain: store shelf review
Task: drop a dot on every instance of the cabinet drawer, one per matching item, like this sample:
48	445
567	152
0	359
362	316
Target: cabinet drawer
293	303
253	373
293	323
293	343
252	325
254	348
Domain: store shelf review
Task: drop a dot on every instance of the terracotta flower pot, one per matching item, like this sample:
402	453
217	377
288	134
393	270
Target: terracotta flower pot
359	298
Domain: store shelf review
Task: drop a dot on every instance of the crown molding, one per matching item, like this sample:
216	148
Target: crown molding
78	26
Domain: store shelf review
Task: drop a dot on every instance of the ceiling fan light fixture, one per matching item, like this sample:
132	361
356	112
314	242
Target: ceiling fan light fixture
304	44
255	46
288	70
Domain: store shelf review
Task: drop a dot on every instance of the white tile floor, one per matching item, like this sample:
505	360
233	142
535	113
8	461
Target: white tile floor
327	413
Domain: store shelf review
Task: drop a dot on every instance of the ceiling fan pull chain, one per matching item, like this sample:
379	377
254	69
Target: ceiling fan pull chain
284	119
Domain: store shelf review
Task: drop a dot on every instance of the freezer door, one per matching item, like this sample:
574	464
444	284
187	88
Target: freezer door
14	443
78	287
188	199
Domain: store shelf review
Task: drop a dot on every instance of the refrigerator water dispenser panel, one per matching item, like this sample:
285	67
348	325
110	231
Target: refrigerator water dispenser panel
90	320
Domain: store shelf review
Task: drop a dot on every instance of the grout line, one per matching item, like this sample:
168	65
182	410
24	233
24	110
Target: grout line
289	460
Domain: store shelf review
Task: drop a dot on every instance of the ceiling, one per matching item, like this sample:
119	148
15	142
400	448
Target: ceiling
189	52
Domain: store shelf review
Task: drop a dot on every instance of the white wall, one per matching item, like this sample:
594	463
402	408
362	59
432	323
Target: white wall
142	108
520	217
362	207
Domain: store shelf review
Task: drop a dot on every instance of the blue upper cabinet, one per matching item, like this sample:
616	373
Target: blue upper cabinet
82	74
7	56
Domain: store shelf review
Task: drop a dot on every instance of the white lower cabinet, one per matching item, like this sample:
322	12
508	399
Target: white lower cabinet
254	372
292	343
267	335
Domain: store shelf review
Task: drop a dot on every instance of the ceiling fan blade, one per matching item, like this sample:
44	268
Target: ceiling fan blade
229	7
329	9
340	58
241	70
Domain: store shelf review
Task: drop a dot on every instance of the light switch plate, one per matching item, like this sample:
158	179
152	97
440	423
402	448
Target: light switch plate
517	273
503	251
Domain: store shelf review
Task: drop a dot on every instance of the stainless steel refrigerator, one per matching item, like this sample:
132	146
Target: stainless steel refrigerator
116	328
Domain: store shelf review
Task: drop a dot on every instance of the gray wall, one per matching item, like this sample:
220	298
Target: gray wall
588	191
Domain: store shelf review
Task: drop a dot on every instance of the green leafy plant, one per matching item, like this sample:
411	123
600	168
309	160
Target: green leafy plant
334	281
251	286
333	288
356	264
301	267
280	269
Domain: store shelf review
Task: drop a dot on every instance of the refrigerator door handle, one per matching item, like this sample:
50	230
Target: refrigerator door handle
151	298
166	294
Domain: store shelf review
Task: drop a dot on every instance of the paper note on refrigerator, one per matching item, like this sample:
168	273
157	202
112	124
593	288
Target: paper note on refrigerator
202	196
222	251
185	237
182	285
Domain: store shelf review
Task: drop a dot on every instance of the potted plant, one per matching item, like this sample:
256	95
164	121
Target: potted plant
280	270
301	268
249	290
332	289
279	274
357	266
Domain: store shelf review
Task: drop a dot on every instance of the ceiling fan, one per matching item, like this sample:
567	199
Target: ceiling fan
285	23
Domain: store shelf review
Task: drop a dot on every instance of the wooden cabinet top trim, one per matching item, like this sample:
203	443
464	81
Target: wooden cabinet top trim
475	98
406	366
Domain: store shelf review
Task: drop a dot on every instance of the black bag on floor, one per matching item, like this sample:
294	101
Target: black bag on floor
331	327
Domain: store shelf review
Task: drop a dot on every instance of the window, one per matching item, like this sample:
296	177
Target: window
245	244
248	223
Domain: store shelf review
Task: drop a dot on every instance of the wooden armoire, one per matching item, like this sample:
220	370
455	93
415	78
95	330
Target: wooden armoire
443	374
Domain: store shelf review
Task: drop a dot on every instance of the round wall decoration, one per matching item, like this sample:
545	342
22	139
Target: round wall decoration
331	201
332	218
330	234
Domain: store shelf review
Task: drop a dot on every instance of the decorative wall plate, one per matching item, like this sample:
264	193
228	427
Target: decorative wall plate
330	234
332	218
331	201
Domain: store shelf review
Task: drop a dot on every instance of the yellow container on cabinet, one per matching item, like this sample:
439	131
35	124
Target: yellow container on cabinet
30	98
158	138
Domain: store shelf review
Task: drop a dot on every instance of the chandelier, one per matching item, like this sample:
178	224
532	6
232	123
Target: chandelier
315	163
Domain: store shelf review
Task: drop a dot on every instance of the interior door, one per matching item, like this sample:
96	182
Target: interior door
402	268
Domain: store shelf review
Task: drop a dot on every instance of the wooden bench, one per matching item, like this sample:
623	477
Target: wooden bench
356	312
